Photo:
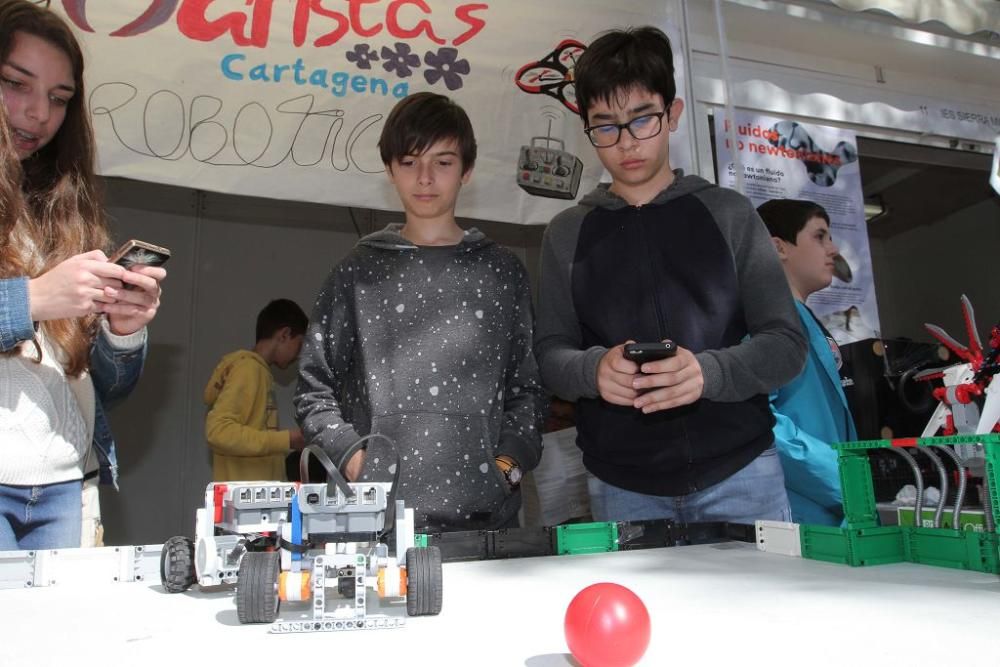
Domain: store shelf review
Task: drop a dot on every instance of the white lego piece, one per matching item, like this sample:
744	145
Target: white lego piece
79	567
404	530
780	537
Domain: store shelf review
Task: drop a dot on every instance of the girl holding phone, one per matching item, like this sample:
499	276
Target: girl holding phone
72	339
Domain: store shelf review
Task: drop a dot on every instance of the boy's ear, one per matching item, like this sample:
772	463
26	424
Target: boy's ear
388	172
284	333
674	116
779	246
467	176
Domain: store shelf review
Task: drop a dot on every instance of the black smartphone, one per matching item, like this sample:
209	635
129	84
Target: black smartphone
135	252
643	352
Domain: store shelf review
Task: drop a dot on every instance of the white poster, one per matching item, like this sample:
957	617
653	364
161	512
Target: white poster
793	160
286	98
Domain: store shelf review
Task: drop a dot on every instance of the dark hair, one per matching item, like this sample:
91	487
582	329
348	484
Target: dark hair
620	61
420	120
785	218
279	314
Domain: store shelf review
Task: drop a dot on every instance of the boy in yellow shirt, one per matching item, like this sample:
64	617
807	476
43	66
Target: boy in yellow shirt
242	421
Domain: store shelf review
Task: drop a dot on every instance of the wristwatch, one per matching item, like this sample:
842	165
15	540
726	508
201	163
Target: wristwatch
510	469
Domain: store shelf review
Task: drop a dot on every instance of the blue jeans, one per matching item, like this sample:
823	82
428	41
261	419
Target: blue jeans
755	492
47	516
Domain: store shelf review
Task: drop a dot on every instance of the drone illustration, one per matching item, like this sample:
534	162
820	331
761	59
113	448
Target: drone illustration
553	74
821	165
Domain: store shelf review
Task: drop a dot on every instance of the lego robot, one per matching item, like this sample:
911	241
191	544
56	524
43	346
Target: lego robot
325	544
969	400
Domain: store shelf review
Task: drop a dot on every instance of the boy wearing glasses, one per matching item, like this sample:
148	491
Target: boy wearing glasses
659	255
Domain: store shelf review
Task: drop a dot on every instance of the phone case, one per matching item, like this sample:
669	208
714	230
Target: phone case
643	352
136	252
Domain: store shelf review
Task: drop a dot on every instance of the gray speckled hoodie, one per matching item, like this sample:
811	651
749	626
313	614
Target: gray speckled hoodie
432	348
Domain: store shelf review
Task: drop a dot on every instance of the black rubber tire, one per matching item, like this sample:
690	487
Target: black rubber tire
424	582
177	564
257	587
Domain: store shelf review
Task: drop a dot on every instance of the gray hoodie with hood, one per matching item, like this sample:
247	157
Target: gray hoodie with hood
430	346
696	265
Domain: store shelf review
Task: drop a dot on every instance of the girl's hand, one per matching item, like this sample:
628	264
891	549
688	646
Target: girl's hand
75	287
129	310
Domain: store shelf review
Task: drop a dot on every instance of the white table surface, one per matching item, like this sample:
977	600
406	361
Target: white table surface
709	604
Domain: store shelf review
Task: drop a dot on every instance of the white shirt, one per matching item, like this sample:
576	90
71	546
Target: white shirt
46	418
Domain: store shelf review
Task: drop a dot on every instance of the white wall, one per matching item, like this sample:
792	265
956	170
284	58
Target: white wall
231	255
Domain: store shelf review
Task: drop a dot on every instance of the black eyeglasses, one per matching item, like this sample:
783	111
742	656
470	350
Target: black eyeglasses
646	126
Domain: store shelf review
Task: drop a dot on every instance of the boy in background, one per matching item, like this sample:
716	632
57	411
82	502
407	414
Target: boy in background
242	421
659	255
423	334
811	411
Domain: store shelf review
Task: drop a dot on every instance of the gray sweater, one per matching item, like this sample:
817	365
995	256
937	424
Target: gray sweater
696	265
431	347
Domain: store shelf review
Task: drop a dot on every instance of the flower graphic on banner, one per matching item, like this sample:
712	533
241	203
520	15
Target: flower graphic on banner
553	74
362	56
400	60
443	65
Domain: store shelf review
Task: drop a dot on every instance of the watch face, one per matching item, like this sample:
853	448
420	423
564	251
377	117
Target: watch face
514	476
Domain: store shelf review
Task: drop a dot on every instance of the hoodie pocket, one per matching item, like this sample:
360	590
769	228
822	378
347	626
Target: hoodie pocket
447	471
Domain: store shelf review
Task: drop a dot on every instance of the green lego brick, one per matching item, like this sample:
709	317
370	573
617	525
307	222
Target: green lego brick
586	538
824	543
853	546
877	546
857	491
860	444
985	439
992	452
961	550
420	540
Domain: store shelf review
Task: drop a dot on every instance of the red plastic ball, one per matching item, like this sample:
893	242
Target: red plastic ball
607	625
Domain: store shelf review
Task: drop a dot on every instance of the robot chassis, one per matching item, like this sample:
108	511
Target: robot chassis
290	542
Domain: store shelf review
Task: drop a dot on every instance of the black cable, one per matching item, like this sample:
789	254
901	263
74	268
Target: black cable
924	402
333	476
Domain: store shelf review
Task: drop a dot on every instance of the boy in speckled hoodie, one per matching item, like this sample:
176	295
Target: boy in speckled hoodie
423	334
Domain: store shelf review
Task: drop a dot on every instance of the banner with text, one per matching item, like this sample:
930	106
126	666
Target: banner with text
793	160
286	99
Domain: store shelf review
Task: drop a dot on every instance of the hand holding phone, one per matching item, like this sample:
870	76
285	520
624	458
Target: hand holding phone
640	353
137	301
136	252
681	382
